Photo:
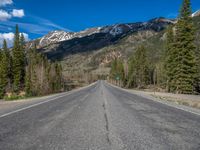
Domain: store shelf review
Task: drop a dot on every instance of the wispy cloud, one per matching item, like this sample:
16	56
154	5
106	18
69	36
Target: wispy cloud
40	27
48	23
5	28
172	15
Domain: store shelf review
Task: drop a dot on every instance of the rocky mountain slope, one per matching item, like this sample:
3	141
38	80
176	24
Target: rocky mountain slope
196	13
59	44
90	52
114	30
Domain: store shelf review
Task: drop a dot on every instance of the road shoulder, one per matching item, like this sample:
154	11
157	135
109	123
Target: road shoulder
158	100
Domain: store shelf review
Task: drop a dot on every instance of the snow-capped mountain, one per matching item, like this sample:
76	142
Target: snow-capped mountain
111	31
195	14
59	36
55	36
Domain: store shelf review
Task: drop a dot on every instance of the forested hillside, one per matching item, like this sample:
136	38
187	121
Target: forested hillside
168	60
25	72
86	55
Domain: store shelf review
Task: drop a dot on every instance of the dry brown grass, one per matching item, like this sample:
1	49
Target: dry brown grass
191	103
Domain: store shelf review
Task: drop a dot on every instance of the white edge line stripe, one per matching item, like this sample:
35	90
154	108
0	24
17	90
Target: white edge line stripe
25	108
34	105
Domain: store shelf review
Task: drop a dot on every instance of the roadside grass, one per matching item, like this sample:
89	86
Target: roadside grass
18	97
190	103
13	97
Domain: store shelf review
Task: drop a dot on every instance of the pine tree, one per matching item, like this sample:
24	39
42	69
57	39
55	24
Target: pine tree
9	65
28	83
42	76
1	85
18	62
197	83
131	72
113	69
23	58
184	59
117	71
4	69
139	75
169	63
58	78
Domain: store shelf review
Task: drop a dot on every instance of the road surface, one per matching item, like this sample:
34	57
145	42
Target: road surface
99	117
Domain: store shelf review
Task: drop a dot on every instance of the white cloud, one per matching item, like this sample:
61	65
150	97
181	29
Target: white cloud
4	15
5	2
9	37
18	13
26	36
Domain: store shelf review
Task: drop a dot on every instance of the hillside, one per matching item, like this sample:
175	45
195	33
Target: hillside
87	54
91	50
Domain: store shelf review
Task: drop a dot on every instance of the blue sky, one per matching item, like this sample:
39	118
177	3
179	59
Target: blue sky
38	17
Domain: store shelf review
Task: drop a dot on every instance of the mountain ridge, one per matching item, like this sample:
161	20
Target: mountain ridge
114	30
92	55
196	13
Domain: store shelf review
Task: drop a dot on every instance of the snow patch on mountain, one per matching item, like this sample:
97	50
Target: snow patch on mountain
111	31
116	30
55	36
59	36
197	13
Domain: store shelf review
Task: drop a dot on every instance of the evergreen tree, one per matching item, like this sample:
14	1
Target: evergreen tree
42	76
139	75
9	65
28	75
131	72
28	83
184	59
117	71
169	63
198	70
58	79
23	58
18	62
1	85
4	69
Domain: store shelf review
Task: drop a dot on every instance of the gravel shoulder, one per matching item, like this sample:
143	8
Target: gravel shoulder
189	103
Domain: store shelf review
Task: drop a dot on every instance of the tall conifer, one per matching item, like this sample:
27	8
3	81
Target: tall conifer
4	72
185	66
169	63
18	61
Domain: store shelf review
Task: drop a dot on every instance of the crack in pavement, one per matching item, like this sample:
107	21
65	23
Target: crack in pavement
113	140
107	124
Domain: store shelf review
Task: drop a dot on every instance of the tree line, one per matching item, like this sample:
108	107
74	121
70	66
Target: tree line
177	71
25	72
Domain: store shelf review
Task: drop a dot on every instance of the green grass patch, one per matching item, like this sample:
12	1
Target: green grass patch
14	97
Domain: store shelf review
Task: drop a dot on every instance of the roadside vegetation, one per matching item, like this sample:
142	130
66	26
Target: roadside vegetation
27	73
176	69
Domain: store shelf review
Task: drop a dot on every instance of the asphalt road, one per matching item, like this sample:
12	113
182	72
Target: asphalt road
99	117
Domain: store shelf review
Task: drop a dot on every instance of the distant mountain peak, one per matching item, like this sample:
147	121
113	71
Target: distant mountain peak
162	19
110	32
196	13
